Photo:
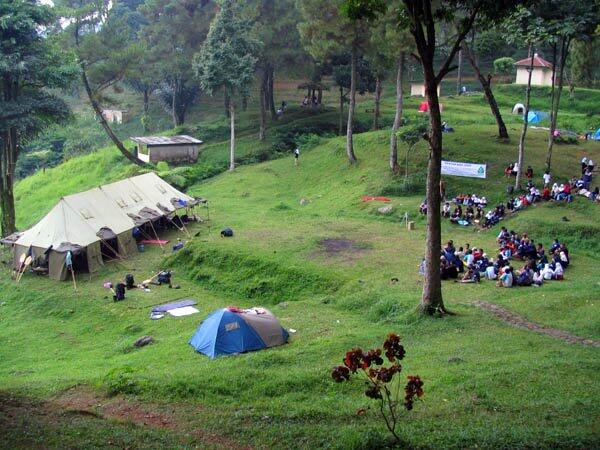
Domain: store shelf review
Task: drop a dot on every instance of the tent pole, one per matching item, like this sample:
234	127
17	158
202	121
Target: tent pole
157	238
73	276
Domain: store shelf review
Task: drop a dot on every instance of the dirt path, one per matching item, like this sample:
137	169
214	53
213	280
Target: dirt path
519	321
83	400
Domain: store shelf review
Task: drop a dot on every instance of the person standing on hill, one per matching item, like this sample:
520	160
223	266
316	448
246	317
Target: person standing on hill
547	178
296	156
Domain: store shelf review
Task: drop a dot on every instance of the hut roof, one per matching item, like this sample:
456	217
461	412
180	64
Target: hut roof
166	140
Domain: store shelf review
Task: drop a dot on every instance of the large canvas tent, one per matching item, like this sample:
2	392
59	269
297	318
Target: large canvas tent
90	223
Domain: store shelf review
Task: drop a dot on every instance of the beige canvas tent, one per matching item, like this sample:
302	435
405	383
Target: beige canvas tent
101	220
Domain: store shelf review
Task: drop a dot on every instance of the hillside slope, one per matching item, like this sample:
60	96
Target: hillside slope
308	248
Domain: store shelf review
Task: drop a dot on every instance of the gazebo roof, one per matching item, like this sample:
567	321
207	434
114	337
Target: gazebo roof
538	61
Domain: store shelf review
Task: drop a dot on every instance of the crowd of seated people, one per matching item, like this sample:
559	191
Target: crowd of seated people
583	185
470	265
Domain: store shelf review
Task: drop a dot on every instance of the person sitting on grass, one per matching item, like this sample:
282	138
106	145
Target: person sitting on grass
546	195
558	272
524	277
505	278
547	272
446	210
423	207
471	276
529	172
490	272
508	171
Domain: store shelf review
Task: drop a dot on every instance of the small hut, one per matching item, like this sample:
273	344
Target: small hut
177	149
115	115
541	74
417	89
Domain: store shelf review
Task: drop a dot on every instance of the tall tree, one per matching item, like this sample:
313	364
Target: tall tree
101	38
423	16
366	81
174	32
331	27
227	59
274	23
486	84
566	20
523	24
32	66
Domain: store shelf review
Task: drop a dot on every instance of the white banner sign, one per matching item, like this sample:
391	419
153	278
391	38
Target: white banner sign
460	169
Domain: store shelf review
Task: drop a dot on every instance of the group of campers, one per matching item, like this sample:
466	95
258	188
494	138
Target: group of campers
468	209
470	265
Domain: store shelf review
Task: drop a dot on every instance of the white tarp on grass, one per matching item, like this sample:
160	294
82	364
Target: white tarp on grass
461	169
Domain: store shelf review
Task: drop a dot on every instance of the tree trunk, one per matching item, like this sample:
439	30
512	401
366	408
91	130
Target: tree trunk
226	103
564	52
459	72
525	122
349	135
432	300
270	91
377	102
320	96
486	84
232	138
146	100
105	125
398	117
263	111
341	126
552	95
8	162
174	103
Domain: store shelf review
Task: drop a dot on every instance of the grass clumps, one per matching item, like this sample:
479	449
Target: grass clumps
270	280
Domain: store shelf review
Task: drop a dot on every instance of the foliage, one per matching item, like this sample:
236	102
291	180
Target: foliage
504	66
227	58
381	381
32	69
174	32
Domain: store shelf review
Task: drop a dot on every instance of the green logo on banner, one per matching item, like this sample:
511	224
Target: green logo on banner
481	170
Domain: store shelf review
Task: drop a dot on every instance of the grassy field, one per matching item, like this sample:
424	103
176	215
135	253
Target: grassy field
67	359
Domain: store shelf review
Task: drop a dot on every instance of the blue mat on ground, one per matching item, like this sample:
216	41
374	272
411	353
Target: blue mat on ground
169	306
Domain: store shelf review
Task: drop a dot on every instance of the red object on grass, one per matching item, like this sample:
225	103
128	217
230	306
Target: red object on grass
368	198
154	241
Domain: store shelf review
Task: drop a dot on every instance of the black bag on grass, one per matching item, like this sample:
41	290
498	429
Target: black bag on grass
129	281
226	232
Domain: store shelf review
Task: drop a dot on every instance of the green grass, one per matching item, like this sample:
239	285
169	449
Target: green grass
487	384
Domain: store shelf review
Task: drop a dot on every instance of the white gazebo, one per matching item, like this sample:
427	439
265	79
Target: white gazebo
541	74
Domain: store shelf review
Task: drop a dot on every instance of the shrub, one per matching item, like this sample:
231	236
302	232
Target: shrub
120	380
382	383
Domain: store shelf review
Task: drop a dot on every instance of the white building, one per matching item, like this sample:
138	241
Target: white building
541	74
417	89
177	149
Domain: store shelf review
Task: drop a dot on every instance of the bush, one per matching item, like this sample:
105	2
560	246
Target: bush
504	66
120	380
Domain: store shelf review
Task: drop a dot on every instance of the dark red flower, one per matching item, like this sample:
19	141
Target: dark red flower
373	392
393	349
372	357
353	359
340	374
413	390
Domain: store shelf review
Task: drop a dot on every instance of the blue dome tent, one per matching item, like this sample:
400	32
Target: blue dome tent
230	330
536	116
597	135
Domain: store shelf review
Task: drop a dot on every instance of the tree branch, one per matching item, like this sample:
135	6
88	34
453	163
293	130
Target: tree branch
460	37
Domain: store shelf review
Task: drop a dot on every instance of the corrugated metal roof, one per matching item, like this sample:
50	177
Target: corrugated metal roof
166	140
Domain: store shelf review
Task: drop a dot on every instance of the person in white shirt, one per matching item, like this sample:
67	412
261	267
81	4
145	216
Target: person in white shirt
547	178
547	272
558	271
490	272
